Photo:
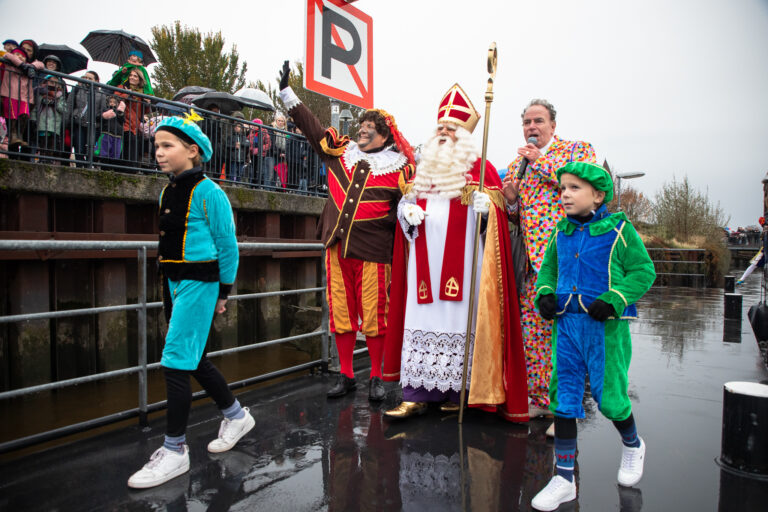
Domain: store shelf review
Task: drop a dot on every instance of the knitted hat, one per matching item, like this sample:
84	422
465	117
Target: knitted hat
34	46
595	174
54	59
136	53
12	41
187	130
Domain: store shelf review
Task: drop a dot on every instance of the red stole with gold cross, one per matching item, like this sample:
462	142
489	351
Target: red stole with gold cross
452	273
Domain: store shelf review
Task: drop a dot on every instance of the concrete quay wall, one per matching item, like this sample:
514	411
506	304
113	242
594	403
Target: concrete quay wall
44	202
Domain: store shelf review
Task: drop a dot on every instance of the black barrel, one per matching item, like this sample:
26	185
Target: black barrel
729	285
732	307
744	447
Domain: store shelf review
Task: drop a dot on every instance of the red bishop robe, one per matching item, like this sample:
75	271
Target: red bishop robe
498	381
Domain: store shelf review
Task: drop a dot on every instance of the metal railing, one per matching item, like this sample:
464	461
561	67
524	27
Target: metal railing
662	262
142	306
59	118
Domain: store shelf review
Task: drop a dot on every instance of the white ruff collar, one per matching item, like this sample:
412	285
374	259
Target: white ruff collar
382	162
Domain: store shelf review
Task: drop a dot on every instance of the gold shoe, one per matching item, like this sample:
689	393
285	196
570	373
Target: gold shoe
449	407
407	409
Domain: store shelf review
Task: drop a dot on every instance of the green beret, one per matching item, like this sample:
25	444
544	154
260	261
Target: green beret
595	174
187	130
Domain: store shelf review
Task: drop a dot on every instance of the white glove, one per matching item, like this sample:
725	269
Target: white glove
481	202
413	214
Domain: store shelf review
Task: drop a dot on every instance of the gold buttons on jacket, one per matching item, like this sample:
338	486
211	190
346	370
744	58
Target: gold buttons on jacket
162	233
576	255
357	185
341	230
351	200
346	215
167	210
574	287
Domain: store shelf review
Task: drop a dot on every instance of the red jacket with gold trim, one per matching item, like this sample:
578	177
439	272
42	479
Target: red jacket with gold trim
363	191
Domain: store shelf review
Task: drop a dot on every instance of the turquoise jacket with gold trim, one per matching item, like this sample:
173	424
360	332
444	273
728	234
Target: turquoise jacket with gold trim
603	259
197	231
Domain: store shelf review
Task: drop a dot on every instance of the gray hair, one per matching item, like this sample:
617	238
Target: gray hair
543	103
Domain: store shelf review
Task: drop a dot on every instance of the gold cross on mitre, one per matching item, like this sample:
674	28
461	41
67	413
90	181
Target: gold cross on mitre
422	290
452	287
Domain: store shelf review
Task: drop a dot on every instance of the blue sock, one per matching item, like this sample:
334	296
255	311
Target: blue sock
175	443
234	411
565	455
628	431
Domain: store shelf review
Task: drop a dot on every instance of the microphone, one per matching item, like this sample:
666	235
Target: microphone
524	165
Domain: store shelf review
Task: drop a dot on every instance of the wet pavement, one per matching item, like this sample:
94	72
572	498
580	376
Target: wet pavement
309	453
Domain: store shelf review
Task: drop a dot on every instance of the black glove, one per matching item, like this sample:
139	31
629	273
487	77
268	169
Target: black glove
601	310
548	306
284	74
30	69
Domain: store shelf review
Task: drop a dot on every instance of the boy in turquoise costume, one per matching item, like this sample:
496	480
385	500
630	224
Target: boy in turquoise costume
198	257
594	270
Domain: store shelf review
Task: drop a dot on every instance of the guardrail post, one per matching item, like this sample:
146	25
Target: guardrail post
143	337
324	322
91	133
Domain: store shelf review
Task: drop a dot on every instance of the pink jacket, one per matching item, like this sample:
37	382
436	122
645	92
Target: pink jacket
16	84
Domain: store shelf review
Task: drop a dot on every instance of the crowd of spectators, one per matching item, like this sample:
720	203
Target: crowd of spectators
47	115
751	235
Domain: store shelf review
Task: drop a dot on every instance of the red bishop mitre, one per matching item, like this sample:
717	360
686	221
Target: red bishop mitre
456	108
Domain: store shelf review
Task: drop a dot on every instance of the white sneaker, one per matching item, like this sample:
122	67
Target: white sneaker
163	465
632	460
558	491
231	431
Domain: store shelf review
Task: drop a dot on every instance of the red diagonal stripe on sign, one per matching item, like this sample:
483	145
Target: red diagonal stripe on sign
352	69
340	44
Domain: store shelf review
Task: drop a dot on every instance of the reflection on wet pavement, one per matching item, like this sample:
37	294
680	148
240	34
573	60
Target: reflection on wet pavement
308	453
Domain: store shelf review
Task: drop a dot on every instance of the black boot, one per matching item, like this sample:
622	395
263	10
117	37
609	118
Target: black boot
376	391
343	385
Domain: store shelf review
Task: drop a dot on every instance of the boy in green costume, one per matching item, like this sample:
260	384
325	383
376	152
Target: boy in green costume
595	269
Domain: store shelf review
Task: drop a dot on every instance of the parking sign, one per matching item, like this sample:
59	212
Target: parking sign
339	52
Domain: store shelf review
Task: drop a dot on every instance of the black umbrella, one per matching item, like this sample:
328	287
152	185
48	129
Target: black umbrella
226	102
71	59
113	46
189	93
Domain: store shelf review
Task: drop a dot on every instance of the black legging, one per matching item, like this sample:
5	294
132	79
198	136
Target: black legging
179	393
565	428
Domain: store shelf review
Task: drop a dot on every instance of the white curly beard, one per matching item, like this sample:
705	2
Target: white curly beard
442	167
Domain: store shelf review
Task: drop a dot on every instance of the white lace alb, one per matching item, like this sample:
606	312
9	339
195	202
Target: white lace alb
434	360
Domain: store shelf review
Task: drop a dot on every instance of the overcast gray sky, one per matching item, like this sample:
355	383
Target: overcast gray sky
664	87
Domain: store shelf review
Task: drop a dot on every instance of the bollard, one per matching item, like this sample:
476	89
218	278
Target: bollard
732	308
739	493
732	330
744	447
729	284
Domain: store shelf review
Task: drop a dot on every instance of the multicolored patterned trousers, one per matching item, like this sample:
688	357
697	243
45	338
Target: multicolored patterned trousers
537	336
